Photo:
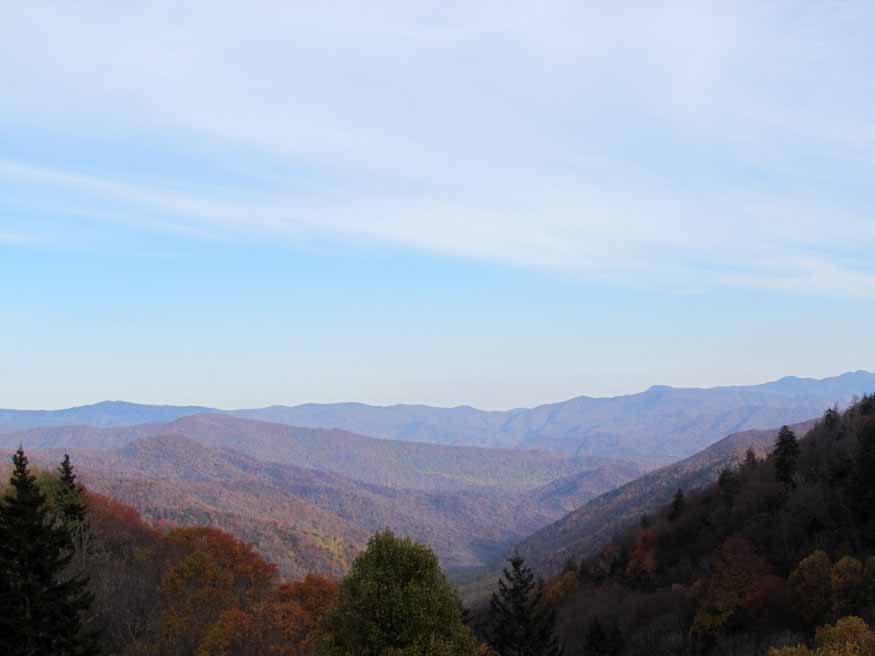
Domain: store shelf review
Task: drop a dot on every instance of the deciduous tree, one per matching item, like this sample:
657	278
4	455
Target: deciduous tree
396	601
811	584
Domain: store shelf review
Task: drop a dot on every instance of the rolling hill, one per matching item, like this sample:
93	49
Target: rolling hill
390	463
657	426
291	492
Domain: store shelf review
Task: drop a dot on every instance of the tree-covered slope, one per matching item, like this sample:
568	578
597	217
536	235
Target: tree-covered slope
594	523
773	549
390	463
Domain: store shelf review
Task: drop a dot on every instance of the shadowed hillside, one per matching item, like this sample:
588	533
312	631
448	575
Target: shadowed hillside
773	549
589	527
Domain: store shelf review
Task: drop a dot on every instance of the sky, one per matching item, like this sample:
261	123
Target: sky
496	203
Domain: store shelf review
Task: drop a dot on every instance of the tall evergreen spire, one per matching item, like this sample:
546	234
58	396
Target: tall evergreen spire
786	454
69	506
39	606
521	623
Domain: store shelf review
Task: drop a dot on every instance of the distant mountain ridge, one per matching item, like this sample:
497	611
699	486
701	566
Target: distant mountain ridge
655	426
105	414
391	463
309	498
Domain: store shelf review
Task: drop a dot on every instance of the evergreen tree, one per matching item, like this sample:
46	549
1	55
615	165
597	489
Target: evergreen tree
786	455
68	504
831	418
863	481
728	484
750	459
678	503
601	640
521	623
39	607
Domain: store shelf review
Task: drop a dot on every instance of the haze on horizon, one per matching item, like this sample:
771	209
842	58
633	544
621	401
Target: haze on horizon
499	207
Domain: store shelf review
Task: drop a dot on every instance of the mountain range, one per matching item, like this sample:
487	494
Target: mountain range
657	426
309	498
308	484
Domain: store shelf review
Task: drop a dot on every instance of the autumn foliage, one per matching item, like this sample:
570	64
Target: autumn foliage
195	591
773	549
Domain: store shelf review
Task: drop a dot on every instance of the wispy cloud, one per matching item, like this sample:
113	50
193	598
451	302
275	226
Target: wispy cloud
679	147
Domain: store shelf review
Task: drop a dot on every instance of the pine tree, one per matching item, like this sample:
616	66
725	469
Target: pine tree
601	640
521	623
831	418
39	607
750	459
786	455
861	484
69	505
678	503
728	484
70	511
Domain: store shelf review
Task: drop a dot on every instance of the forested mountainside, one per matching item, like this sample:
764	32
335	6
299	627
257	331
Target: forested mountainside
591	525
775	548
306	519
659	425
390	463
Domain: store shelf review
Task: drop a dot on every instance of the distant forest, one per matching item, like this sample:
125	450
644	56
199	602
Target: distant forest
776	557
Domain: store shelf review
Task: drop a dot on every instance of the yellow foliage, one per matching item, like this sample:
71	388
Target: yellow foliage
561	588
848	631
847	576
850	636
798	650
738	579
811	583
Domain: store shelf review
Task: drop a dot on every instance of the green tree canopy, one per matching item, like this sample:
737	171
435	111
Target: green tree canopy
396	601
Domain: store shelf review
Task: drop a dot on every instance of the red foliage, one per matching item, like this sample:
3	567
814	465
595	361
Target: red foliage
119	515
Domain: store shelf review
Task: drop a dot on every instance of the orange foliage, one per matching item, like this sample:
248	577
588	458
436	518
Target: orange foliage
285	624
643	560
220	574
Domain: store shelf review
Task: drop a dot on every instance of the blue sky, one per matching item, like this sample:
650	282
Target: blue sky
500	205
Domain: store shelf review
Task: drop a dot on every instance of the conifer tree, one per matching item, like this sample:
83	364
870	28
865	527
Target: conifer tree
70	511
69	505
39	607
786	454
831	417
521	623
678	503
750	459
863	481
728	484
601	640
